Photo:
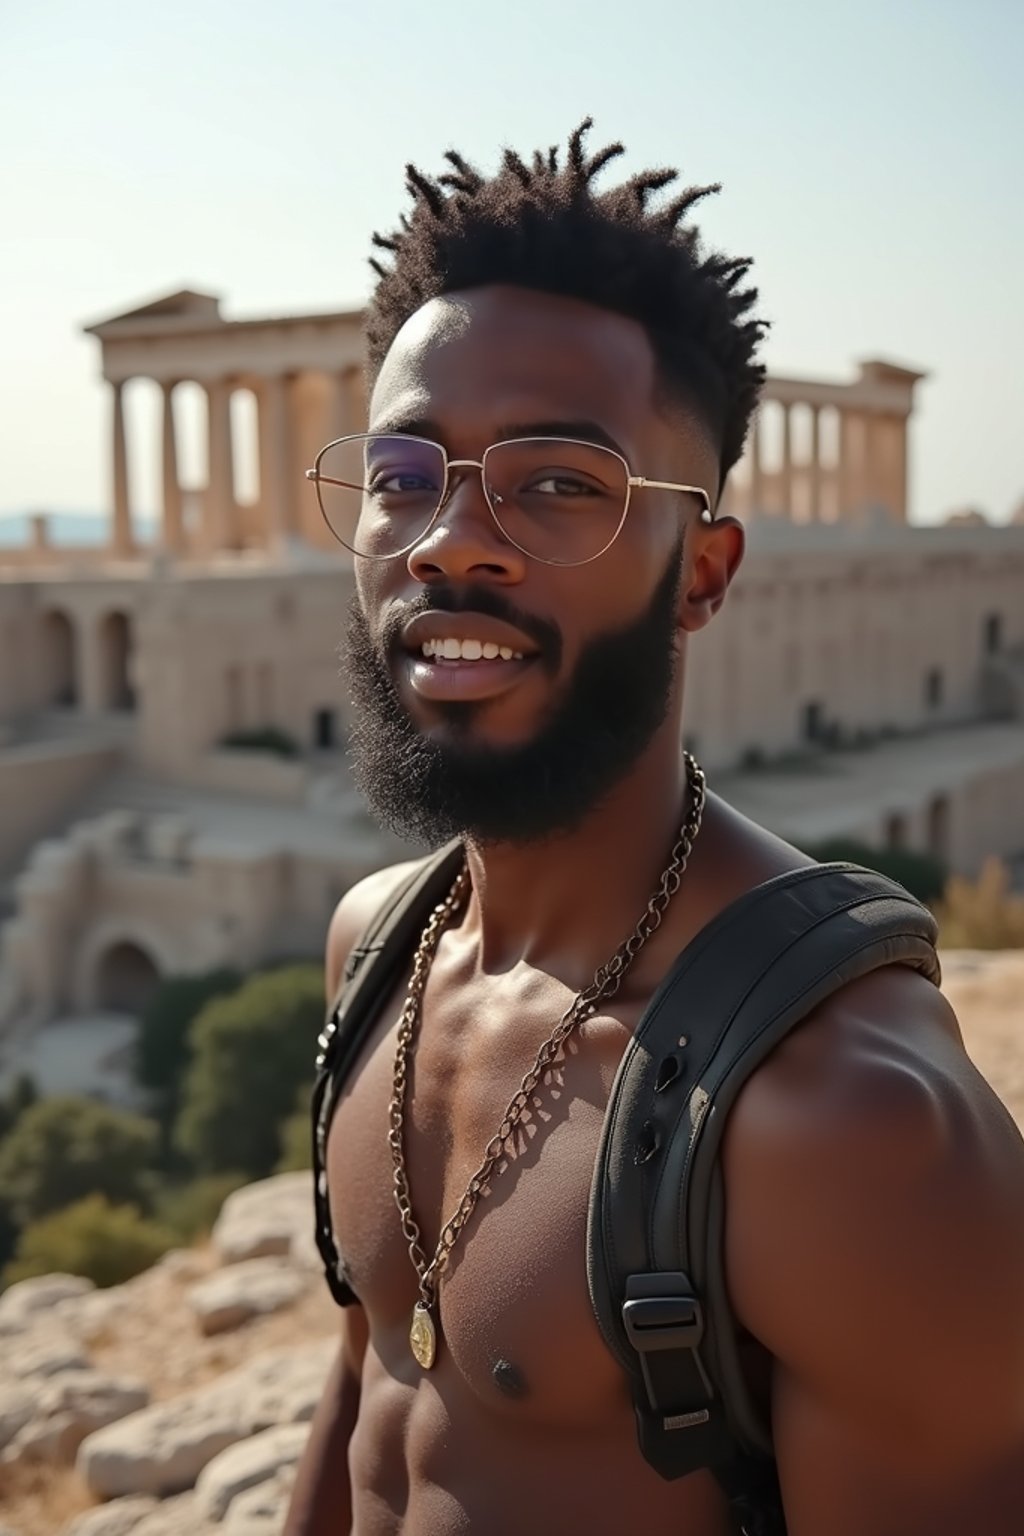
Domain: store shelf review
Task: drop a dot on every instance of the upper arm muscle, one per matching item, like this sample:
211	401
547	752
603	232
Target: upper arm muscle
876	1247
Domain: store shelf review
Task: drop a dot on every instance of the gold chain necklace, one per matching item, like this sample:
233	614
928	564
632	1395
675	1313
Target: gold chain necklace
423	1335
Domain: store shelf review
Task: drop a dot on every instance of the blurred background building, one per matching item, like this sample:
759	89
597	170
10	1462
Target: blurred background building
173	792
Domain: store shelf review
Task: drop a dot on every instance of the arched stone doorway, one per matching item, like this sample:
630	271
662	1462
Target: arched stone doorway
116	661
60	681
126	979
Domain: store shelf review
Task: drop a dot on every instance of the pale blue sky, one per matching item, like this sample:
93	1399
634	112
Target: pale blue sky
871	155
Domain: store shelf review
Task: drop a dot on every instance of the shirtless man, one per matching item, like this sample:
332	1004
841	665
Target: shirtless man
519	659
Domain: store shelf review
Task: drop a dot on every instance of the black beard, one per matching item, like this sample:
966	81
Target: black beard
430	791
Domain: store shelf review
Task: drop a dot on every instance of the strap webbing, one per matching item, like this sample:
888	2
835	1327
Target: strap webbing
374	965
655	1236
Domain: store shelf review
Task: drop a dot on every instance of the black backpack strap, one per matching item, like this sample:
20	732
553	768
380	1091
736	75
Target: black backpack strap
655	1257
373	966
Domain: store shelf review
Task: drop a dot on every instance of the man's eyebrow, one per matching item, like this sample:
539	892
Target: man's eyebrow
584	431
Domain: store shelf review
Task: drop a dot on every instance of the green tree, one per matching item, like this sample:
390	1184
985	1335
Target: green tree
251	1053
163	1046
190	1210
295	1137
106	1243
63	1149
21	1095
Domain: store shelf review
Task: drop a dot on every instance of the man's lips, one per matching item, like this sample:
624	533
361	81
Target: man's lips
475	677
434	627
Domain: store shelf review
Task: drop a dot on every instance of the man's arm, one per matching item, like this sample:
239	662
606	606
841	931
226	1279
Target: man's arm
875	1246
321	1503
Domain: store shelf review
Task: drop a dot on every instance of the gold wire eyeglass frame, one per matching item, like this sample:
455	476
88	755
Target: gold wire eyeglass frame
633	482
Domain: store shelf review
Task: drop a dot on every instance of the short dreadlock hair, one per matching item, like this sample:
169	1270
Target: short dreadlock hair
543	226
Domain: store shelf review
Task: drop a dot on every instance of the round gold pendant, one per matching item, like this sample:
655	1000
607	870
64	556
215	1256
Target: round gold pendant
423	1336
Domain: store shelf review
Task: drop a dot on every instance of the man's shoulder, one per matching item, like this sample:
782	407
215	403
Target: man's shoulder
856	1153
356	910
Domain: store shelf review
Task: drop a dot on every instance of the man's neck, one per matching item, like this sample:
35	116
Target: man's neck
565	904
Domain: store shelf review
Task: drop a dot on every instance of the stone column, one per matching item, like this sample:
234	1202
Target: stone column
173	527
814	468
123	541
358	399
756	481
885	476
276	492
786	473
337	416
901	473
851	448
219	532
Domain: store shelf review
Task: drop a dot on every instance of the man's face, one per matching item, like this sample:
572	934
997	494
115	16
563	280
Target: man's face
518	749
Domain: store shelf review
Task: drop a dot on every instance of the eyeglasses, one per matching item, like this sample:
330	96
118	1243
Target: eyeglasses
558	500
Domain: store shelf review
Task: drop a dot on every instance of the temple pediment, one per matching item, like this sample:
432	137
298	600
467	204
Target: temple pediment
186	304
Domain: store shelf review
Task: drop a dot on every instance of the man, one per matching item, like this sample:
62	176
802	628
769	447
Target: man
561	381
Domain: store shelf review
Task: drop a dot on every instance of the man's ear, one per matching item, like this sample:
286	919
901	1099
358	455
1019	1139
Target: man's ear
714	557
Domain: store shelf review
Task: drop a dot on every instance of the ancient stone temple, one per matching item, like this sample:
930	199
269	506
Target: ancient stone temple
173	791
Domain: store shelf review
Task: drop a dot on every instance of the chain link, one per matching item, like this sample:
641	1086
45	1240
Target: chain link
605	984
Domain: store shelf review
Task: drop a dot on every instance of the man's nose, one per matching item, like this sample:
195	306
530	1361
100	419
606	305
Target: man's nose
464	541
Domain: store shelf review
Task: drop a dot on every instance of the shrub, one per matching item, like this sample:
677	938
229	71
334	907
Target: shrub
65	1148
21	1095
251	1053
983	913
162	1051
920	873
190	1210
106	1243
296	1137
266	739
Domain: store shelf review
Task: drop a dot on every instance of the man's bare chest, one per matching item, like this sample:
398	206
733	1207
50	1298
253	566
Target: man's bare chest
514	1305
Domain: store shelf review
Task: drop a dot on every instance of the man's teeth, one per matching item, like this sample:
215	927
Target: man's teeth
469	650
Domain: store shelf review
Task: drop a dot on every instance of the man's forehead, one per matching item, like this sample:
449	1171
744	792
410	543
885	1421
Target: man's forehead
505	345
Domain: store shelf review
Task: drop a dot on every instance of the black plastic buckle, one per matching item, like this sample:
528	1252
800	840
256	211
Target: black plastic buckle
661	1312
664	1322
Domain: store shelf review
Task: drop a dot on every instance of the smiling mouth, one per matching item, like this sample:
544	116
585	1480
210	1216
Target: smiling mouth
477	672
454	650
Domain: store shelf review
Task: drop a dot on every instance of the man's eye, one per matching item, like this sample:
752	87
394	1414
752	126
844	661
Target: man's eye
399	481
560	485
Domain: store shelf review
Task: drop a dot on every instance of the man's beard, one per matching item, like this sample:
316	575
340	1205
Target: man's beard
431	791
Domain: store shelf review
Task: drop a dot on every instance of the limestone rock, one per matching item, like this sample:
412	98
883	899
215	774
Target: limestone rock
120	1518
261	1511
67	1407
21	1301
87	1316
163	1449
175	1517
284	1386
249	1289
247	1464
180	1264
269	1217
15	1409
41	1351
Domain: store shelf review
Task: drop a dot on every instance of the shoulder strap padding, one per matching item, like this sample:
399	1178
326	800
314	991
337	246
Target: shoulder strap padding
377	959
655	1235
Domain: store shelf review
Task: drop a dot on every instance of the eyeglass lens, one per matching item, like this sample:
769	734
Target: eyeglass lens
557	500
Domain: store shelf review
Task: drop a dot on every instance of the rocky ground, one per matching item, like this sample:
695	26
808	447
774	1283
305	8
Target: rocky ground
177	1405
